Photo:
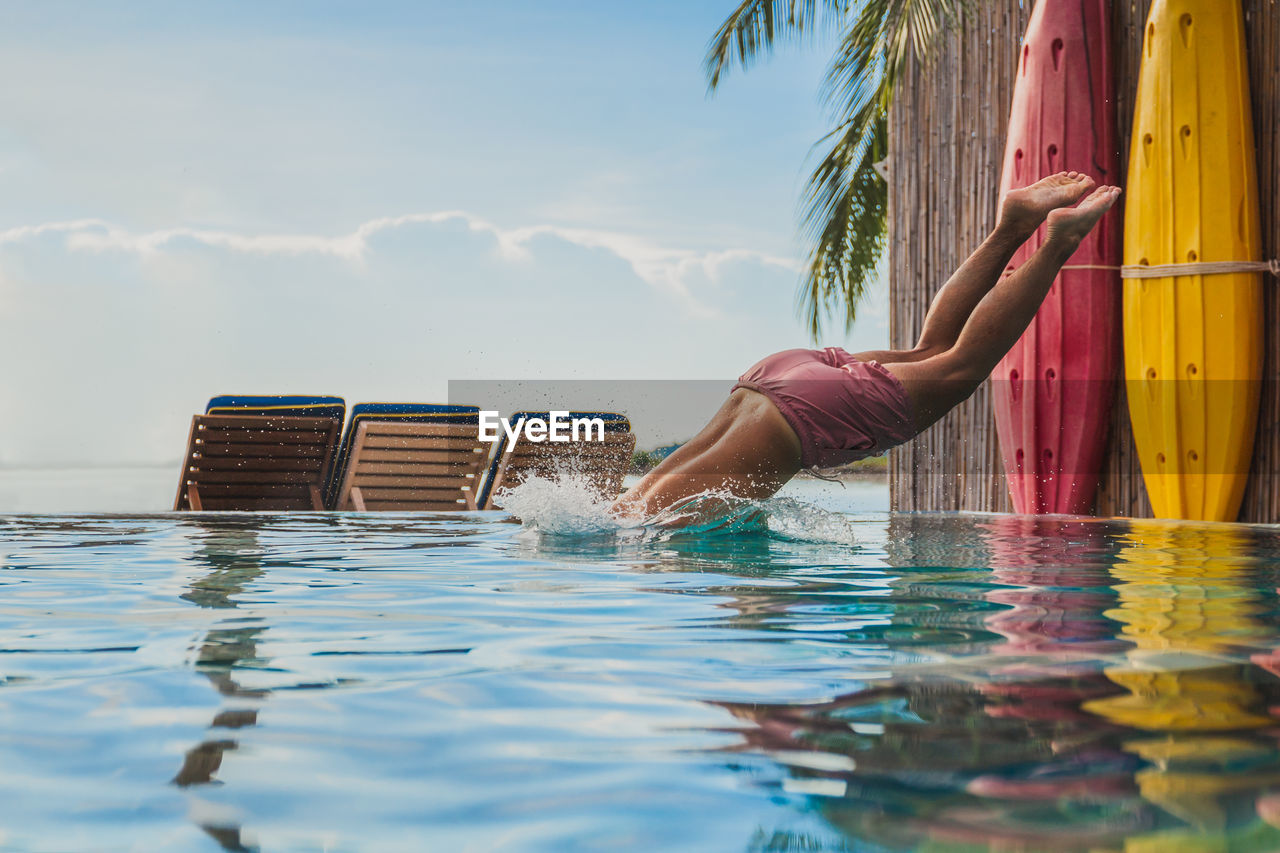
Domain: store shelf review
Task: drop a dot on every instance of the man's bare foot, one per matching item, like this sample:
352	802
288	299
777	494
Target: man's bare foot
1024	209
1070	225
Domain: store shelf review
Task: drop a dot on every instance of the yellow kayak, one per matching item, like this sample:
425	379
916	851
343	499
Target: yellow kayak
1193	344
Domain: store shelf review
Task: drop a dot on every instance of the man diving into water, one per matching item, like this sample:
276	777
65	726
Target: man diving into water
802	408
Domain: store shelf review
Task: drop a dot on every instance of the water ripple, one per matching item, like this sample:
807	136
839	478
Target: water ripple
778	677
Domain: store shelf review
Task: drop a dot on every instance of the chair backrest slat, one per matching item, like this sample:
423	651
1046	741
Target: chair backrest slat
389	413
412	466
252	462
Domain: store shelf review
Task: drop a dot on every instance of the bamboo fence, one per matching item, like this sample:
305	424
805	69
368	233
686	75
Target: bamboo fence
947	132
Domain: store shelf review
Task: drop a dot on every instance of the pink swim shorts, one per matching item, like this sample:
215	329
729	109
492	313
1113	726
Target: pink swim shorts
842	409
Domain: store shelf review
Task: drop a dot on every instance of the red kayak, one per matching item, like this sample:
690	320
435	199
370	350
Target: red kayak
1054	391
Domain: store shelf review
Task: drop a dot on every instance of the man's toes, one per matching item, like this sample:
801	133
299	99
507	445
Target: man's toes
1102	197
1079	187
1103	194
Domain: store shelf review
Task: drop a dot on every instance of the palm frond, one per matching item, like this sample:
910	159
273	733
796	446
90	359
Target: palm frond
755	25
845	202
846	210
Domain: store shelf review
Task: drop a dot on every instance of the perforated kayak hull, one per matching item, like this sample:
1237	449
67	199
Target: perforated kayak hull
1193	344
1054	391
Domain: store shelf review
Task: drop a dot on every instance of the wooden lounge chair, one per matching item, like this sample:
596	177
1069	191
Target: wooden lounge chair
405	457
603	463
256	462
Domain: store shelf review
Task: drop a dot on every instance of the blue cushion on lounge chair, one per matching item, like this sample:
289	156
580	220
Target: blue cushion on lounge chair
294	405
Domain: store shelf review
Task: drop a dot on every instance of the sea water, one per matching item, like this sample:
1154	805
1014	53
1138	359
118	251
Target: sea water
794	678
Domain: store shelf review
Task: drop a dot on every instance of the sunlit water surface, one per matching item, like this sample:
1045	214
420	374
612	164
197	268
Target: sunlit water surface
386	683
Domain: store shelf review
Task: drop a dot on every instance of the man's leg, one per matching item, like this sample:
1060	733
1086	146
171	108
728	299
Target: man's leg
940	383
1021	213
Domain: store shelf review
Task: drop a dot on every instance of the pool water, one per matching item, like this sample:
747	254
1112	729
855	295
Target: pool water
814	681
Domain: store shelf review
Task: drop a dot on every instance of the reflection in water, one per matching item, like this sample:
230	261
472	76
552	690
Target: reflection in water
981	740
956	683
1047	576
233	556
1112	704
1188	605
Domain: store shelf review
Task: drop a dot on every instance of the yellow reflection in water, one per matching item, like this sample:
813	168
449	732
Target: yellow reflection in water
1187	605
1184	605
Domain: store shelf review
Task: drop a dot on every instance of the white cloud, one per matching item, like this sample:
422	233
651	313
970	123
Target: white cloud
669	270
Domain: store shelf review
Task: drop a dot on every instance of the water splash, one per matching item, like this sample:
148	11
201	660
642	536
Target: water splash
568	504
798	521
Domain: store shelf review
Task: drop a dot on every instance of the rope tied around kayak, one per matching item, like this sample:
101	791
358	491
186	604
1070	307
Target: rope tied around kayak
1210	268
1111	267
1176	270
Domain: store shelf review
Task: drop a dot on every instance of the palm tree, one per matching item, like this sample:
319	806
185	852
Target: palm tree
845	201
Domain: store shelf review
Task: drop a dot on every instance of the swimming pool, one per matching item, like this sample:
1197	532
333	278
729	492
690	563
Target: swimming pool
379	682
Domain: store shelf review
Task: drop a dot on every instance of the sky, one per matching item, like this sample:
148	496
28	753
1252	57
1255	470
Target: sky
377	199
